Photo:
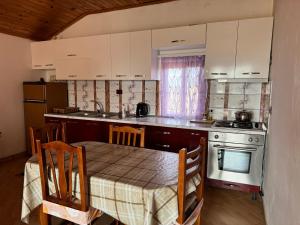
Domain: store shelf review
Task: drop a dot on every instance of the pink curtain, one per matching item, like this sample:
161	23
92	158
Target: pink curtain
183	87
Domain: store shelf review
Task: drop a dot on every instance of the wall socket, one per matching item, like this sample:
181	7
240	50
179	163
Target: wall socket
119	91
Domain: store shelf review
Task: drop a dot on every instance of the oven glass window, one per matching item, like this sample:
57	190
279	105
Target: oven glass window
234	161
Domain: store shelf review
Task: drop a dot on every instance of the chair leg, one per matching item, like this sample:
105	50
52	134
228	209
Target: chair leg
44	218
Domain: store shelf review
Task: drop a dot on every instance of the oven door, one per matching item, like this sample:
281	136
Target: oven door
235	163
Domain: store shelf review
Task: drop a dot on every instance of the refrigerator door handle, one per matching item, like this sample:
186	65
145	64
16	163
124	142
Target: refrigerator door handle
34	101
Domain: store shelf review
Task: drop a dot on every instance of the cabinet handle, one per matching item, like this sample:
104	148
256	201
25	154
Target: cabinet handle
251	73
99	75
49	65
231	185
177	41
164	146
195	134
72	75
37	65
71	55
121	75
139	75
166	132
219	73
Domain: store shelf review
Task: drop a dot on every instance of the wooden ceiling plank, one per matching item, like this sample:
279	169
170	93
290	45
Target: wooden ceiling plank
43	19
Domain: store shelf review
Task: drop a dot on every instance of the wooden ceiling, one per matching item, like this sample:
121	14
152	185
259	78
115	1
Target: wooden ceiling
42	19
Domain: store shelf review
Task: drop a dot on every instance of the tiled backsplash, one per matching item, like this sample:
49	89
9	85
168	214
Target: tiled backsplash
227	98
81	94
224	98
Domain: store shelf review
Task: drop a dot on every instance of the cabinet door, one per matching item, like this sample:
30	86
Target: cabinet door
98	49
179	37
254	48
71	48
73	69
140	55
120	56
221	50
42	55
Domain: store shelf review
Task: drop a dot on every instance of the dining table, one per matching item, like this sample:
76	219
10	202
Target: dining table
136	186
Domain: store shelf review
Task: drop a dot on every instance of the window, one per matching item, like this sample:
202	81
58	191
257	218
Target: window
183	87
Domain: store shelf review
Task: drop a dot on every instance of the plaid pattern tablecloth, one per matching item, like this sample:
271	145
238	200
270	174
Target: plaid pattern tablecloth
137	186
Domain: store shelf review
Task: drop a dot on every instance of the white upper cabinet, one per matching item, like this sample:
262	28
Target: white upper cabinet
42	54
179	37
78	68
120	56
253	48
70	48
221	49
98	48
140	55
95	49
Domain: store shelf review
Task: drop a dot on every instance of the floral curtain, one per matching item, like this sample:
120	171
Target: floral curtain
183	87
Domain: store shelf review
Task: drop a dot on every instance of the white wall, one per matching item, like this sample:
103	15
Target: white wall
282	182
15	67
180	12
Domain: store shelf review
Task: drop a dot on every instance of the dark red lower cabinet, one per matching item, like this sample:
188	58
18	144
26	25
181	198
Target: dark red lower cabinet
160	138
233	186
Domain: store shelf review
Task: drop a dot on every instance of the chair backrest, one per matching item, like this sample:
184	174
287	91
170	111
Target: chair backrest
52	156
190	163
126	131
50	132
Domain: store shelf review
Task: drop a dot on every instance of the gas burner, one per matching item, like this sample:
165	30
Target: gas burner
237	124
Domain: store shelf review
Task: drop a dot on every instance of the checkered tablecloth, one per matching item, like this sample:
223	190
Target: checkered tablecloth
137	186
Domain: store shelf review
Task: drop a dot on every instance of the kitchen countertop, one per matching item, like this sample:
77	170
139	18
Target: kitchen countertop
159	121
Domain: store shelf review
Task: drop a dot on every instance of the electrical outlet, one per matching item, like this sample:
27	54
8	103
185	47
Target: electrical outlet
119	91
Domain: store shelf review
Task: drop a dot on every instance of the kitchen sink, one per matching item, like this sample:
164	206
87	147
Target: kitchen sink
94	114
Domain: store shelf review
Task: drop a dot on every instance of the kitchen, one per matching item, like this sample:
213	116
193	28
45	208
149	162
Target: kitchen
132	66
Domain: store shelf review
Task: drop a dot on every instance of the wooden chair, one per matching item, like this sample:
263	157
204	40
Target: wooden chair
50	132
62	203
127	131
191	163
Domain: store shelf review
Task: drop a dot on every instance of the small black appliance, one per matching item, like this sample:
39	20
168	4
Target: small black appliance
142	109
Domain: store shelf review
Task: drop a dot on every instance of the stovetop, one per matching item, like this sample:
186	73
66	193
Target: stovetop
237	124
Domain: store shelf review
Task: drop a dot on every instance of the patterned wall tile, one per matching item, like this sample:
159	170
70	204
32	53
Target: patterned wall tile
114	108
217	87
216	101
113	86
150	98
252	101
152	110
217	114
131	86
150	86
100	91
71	93
235	101
236	88
85	94
253	88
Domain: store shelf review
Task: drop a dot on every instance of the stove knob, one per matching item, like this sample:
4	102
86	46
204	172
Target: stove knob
216	136
256	139
250	139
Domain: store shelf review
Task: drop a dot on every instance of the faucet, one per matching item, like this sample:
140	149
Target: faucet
101	108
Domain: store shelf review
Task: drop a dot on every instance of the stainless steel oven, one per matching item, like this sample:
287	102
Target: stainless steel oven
235	157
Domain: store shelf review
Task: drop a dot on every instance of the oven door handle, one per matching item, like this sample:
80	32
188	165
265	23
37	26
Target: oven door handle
231	148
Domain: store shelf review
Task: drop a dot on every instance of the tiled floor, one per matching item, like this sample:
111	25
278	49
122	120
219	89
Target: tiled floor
222	207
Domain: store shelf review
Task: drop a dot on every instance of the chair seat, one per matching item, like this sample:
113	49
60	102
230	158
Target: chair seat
70	214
